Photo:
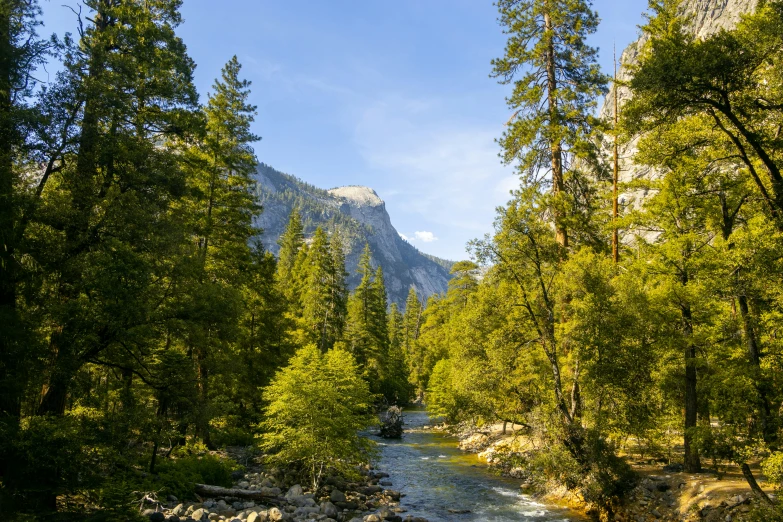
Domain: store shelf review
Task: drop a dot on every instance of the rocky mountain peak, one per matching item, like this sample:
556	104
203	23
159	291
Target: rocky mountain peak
360	216
359	195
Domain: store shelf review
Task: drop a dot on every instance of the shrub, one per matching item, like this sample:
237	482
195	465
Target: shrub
178	476
317	406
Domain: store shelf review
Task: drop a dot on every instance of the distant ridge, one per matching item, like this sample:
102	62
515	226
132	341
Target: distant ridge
360	215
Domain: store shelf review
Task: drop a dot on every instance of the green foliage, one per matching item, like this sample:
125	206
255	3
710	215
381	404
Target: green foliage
316	407
178	476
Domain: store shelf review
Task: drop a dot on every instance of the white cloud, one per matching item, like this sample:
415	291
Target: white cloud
426	237
403	236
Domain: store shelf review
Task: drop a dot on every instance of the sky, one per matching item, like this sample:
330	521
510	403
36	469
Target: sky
392	95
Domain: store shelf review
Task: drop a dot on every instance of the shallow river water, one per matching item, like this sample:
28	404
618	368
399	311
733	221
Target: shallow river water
436	476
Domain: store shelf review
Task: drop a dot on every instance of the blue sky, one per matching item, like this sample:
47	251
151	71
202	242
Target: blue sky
392	95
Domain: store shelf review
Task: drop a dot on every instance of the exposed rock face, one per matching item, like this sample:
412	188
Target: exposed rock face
706	17
360	216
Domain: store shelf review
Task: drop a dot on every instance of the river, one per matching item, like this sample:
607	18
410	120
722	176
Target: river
436	476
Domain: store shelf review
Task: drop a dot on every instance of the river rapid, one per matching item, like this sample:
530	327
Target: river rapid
436	477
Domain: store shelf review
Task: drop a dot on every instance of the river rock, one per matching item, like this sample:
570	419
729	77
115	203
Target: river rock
337	496
372	518
392	494
179	510
294	491
173	518
328	509
198	514
370	490
391	423
157	516
349	505
275	514
305	512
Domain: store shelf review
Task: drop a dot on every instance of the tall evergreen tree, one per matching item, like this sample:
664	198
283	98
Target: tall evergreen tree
358	333
317	295
132	78
556	80
411	321
338	284
20	52
222	208
290	242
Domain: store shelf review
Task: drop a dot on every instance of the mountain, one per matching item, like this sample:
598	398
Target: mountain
361	217
705	17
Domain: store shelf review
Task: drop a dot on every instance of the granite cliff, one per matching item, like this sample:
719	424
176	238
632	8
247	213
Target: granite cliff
361	217
705	17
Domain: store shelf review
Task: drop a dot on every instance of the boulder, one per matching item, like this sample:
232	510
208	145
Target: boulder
198	514
275	514
179	510
391	423
157	516
294	491
328	509
337	496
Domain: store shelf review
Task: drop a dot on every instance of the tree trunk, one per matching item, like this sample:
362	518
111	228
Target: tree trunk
216	491
202	425
692	461
754	486
556	148
10	376
768	431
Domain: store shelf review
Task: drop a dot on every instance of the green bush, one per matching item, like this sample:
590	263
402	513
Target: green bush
317	407
178	476
599	475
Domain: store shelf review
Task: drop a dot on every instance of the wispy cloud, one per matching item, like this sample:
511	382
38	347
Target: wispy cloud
446	170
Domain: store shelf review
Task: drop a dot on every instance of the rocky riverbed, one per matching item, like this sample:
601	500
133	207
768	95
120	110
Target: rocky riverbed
369	500
663	493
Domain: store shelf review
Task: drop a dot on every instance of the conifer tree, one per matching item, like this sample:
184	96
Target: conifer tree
290	242
411	321
358	329
556	80
397	387
223	207
338	285
379	322
131	82
317	294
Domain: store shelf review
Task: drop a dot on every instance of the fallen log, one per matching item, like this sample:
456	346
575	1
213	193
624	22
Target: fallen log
216	491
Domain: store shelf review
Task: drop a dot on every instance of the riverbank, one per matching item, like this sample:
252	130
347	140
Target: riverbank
662	494
260	495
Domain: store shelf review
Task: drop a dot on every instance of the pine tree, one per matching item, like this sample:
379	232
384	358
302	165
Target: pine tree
358	329
397	388
412	320
20	52
338	285
556	80
290	242
317	295
222	208
379	321
131	82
